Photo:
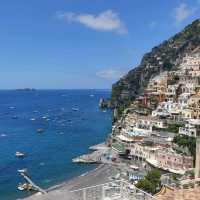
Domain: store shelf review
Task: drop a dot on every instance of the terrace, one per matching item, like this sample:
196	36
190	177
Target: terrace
117	190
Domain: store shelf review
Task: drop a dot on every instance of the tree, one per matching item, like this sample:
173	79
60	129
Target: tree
185	141
145	185
154	177
150	182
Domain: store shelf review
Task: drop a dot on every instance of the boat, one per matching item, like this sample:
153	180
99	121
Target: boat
19	154
91	95
14	117
24	186
32	119
40	130
22	170
44	117
75	109
11	107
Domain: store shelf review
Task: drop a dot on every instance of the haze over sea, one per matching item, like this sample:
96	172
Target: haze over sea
67	134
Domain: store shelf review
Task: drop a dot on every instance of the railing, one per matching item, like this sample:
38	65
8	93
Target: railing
116	190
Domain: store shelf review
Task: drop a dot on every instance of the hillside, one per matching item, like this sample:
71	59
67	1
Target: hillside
164	57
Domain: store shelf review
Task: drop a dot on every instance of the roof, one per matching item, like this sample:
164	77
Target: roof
181	194
118	147
194	121
124	138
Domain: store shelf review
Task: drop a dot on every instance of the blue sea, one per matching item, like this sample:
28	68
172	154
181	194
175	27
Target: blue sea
67	134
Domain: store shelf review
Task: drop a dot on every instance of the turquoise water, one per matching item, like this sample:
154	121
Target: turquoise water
67	134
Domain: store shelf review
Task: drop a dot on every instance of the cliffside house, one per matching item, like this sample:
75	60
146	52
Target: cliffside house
144	151
169	160
191	128
183	99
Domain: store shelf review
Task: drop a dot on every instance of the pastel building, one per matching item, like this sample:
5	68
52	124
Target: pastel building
168	159
143	151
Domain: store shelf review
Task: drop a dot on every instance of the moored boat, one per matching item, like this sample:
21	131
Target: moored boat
22	170
75	109
40	130
19	154
24	186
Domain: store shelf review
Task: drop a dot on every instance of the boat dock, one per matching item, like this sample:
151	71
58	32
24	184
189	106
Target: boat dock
36	187
99	147
94	157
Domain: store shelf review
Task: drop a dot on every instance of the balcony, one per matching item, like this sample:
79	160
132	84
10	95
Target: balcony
117	190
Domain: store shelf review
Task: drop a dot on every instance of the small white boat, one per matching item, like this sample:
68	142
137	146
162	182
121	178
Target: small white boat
21	187
24	186
32	119
22	170
91	95
19	154
75	109
40	130
14	117
44	117
11	107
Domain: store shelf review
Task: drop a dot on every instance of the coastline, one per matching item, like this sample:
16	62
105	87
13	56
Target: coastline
97	176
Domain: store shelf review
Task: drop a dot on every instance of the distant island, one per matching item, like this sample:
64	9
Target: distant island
26	89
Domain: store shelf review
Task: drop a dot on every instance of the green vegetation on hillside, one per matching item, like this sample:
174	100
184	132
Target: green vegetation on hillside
174	128
185	141
151	181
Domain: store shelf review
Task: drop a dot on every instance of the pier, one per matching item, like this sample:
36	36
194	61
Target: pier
94	157
36	187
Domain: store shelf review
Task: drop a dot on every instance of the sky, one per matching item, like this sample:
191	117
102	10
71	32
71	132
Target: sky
80	44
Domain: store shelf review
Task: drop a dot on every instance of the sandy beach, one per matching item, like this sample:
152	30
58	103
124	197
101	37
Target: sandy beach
97	176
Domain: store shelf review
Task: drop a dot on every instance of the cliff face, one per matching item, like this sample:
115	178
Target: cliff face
164	57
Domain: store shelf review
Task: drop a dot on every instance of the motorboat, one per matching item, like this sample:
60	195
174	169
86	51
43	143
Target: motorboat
19	154
24	186
75	109
40	130
44	117
14	117
22	170
11	107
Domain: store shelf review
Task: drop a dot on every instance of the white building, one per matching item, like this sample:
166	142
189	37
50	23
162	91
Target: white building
183	99
160	113
191	128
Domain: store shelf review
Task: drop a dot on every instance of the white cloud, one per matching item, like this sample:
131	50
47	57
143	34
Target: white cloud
105	21
183	11
110	74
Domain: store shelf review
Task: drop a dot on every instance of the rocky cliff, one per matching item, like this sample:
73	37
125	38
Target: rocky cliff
164	57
